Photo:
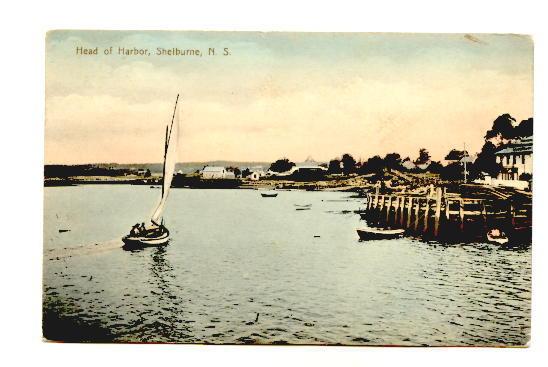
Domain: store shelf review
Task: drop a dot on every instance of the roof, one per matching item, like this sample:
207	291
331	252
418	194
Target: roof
308	163
408	164
213	169
309	167
520	146
423	166
455	155
468	159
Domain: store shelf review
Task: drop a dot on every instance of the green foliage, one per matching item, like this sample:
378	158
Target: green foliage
424	156
392	161
524	129
334	166
282	165
486	161
349	164
435	167
373	165
503	126
452	172
246	172
526	176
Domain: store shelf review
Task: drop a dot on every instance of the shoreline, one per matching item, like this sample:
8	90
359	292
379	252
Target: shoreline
346	184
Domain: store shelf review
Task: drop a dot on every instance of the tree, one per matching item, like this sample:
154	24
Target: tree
373	165
526	176
334	166
435	167
349	163
455	155
424	156
524	129
392	161
452	172
502	128
487	161
282	165
246	172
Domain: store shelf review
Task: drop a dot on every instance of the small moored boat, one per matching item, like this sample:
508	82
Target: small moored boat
497	236
370	233
269	195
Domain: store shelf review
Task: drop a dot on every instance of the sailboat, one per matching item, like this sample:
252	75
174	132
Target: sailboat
155	233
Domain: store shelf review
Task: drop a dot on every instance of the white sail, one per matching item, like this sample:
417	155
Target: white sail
170	158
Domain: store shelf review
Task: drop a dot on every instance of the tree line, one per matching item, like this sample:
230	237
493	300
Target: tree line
504	129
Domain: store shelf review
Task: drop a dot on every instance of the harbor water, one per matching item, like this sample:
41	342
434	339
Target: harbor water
241	268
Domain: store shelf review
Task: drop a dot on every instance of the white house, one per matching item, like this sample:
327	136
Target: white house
408	164
256	173
516	159
308	166
210	172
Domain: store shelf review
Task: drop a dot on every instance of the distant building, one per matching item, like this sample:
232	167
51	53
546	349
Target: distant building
308	166
211	172
408	164
469	159
423	166
516	159
256	173
459	156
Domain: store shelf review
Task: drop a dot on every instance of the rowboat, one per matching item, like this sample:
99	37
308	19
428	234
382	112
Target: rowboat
370	233
497	236
155	233
269	195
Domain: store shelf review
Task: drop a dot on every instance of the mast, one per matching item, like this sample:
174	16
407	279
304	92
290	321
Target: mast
169	128
465	154
166	144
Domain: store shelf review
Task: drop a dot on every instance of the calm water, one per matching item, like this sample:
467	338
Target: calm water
235	255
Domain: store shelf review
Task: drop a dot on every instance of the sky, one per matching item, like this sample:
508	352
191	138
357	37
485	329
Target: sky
277	95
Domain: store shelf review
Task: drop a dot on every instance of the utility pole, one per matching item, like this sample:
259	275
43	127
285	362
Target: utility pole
465	155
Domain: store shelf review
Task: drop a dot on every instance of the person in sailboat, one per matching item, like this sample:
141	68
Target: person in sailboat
157	234
135	229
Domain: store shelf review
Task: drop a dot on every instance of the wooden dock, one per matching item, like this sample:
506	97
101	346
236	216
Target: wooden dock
450	216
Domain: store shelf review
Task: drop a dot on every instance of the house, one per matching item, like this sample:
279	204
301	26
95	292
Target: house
256	173
408	164
423	166
307	168
459	156
212	172
469	159
516	159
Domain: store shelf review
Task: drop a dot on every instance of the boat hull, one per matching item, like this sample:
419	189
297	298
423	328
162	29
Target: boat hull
497	240
135	241
369	234
269	195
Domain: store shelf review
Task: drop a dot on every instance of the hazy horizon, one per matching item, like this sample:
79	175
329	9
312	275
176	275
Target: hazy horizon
280	95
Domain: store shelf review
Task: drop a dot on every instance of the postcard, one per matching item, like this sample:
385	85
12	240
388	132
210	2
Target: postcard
369	189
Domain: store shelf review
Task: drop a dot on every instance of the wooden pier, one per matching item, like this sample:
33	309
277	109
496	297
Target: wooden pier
450	216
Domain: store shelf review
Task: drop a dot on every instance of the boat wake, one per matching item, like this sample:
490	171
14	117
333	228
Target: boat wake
82	250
